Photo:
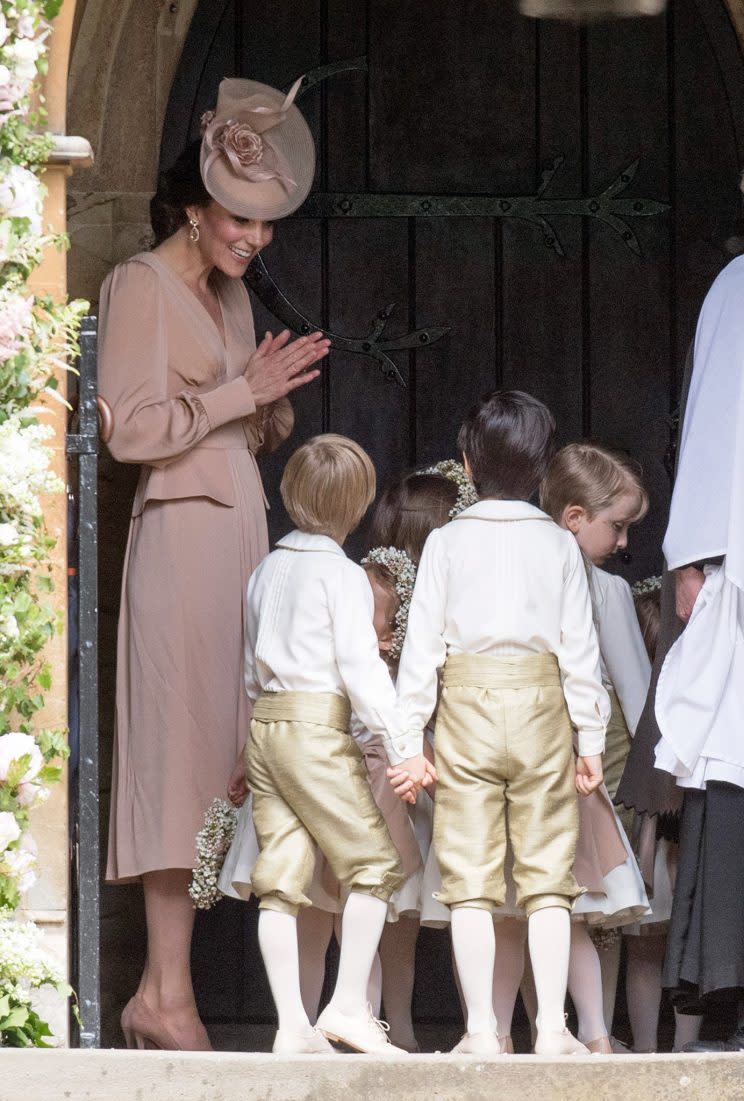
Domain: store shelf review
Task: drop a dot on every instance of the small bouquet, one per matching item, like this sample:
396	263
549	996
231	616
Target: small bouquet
212	842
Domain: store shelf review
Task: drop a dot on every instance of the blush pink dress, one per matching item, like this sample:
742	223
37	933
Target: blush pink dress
183	410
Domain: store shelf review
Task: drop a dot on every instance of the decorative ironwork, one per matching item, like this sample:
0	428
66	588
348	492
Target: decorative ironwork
260	281
315	76
607	206
83	447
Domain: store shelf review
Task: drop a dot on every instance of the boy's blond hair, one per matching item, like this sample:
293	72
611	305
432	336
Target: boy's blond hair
328	485
593	477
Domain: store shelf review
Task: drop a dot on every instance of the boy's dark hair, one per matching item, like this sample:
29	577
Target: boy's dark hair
508	440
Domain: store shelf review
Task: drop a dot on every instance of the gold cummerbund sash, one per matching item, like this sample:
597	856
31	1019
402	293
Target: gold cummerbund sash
483	671
317	708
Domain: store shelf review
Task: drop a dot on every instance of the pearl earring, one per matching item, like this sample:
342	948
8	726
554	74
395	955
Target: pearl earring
194	234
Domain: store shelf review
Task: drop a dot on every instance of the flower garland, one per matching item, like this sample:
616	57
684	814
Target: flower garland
647	585
212	842
403	572
466	493
37	338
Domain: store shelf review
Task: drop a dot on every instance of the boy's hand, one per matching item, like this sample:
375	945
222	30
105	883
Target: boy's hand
237	785
410	776
589	774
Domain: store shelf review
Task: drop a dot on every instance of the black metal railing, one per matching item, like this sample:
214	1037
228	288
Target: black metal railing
82	450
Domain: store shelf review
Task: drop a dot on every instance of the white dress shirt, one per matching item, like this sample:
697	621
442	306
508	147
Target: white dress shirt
624	659
502	579
309	629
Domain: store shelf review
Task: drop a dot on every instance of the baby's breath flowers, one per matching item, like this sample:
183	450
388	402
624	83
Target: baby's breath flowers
466	495
403	573
212	842
647	585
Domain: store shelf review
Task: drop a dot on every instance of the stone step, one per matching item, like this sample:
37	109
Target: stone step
224	1076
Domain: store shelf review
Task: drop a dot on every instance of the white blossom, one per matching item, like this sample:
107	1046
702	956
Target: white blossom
22	862
23	958
23	54
20	196
15	745
10	831
8	535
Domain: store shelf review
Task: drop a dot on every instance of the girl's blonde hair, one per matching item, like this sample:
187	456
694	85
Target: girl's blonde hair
593	477
328	485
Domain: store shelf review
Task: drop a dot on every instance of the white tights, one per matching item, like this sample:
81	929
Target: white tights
362	924
474	944
585	984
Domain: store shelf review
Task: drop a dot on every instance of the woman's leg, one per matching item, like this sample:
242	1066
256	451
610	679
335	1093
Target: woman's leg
585	984
398	960
314	932
511	937
166	983
686	1029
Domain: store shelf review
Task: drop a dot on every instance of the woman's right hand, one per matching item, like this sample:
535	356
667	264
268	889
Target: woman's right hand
277	367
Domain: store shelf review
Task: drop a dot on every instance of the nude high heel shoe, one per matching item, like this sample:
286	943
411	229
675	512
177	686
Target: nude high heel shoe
144	1029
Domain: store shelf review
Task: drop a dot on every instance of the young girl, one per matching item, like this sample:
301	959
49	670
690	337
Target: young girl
646	940
597	494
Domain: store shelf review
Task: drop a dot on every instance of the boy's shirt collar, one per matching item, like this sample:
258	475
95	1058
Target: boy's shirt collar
305	541
502	510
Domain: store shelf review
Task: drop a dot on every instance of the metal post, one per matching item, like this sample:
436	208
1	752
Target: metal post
84	770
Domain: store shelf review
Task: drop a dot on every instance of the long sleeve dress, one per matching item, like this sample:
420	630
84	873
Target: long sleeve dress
183	410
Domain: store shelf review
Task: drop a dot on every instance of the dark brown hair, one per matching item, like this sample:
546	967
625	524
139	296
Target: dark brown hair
178	187
410	509
648	610
508	440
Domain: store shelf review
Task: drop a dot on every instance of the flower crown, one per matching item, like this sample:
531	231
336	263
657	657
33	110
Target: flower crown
403	572
466	494
648	585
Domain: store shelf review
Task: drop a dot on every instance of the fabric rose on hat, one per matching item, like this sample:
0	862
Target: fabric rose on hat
10	831
13	747
241	143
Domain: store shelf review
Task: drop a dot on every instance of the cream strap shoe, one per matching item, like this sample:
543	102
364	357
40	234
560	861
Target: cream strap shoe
365	1033
559	1043
301	1043
487	1044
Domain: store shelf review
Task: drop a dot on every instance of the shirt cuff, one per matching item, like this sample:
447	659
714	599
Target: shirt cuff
403	746
229	402
591	743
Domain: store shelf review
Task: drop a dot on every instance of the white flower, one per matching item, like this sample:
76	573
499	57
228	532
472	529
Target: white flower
24	466
23	54
9	829
20	196
23	957
21	862
26	26
9	626
16	317
31	795
8	535
3	28
15	745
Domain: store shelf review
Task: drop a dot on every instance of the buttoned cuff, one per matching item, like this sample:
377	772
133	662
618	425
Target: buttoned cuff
403	746
229	402
591	742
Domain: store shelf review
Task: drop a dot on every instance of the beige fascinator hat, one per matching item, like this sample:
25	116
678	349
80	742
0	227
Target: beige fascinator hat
257	153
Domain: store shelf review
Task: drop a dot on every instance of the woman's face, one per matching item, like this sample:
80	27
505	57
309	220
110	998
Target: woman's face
227	241
606	532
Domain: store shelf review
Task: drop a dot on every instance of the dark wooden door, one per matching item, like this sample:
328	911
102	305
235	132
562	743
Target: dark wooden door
466	107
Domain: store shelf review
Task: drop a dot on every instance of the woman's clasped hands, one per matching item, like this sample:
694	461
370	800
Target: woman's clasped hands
277	366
